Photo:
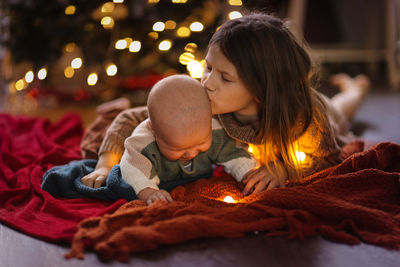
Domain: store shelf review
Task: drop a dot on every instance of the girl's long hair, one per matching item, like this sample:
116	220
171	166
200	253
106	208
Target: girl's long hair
276	69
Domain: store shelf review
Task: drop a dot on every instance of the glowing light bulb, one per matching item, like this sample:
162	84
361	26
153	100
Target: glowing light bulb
111	70
196	27
118	1
92	79
234	15
76	63
153	1
179	1
42	74
158	26
183	32
108	7
165	45
70	47
121	44
29	76
250	149
170	25
69	72
20	85
191	47
153	35
185	58
107	22
229	199
301	156
70	10
195	69
235	2
135	46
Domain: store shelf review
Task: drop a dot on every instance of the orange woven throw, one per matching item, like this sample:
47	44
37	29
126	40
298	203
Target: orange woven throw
357	200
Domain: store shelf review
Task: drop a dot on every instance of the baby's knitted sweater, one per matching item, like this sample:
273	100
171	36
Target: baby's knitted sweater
142	165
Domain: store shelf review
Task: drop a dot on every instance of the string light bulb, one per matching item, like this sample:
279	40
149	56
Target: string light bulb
196	27
70	10
300	156
135	46
121	44
170	25
235	2
179	1
229	199
118	1
29	76
111	70
76	63
20	85
158	26
165	45
92	79
107	22
69	72
183	32
235	15
107	7
42	74
185	58
195	69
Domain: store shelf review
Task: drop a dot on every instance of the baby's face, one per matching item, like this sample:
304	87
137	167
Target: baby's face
183	146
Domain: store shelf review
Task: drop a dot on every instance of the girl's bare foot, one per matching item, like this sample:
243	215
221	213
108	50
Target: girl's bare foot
344	82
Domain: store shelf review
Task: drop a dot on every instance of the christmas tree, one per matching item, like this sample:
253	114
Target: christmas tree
88	49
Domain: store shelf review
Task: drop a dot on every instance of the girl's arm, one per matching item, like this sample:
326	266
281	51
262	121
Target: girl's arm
112	147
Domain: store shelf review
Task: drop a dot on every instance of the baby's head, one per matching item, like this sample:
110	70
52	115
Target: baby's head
180	117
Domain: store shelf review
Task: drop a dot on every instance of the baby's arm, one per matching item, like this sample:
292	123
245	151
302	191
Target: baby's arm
138	170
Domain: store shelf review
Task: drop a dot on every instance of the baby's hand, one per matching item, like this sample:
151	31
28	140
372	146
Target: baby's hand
97	178
150	195
259	179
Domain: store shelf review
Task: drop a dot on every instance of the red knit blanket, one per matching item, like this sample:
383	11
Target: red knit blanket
357	200
28	148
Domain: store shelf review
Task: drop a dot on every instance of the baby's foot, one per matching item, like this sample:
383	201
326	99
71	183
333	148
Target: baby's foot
344	82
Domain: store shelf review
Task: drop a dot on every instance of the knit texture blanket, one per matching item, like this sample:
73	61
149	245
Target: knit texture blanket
28	148
357	200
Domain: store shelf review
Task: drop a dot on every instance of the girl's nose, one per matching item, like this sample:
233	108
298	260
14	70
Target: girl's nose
208	83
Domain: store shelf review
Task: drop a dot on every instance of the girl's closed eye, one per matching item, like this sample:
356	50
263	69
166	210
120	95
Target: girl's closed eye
225	79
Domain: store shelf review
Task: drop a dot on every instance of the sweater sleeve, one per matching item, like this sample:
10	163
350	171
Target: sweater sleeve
121	128
233	156
136	169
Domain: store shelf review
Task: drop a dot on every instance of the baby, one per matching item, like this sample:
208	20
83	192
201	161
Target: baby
178	142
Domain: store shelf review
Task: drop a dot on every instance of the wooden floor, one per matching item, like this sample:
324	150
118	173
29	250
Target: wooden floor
377	120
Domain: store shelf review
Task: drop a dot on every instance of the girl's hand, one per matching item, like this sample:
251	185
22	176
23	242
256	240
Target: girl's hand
259	179
97	178
150	195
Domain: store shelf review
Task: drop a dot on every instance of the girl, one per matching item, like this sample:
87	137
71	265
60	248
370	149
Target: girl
257	78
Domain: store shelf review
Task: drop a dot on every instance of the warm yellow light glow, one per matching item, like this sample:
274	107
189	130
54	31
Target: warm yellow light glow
170	25
179	1
191	47
76	63
108	7
235	2
29	76
70	10
183	32
229	199
92	79
70	47
300	156
196	27
107	22
234	15
195	69
153	1
111	70
118	1
69	72
20	85
135	46
153	35
121	44
158	26
42	74
165	45
250	149
128	41
185	58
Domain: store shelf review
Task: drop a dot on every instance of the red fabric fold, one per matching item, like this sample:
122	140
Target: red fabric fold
357	200
28	148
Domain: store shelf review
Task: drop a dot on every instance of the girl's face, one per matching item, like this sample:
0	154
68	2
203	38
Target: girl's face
225	89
